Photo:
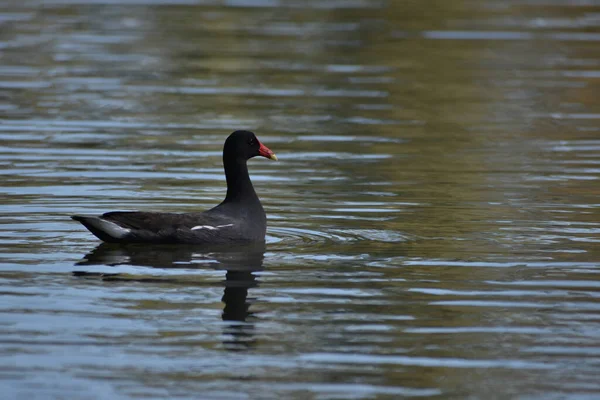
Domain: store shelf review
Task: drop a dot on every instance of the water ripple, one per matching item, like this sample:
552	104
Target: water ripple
291	236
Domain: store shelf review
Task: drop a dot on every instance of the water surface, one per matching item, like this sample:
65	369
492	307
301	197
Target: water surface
434	220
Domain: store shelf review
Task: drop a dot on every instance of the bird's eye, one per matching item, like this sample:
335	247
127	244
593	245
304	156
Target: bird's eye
251	142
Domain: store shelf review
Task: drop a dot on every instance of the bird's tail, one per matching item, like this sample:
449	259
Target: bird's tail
104	230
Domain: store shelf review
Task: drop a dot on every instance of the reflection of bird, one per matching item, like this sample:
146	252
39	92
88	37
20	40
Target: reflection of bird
240	265
237	309
248	257
240	217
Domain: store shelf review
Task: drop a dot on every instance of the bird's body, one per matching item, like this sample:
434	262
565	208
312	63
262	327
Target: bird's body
239	218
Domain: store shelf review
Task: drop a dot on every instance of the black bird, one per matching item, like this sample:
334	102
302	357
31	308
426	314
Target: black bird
239	218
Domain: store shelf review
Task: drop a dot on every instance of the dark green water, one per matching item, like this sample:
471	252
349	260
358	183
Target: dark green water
434	219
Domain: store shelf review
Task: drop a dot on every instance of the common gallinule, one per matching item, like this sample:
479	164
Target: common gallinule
239	218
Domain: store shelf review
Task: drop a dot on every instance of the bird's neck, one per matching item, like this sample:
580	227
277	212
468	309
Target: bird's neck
239	185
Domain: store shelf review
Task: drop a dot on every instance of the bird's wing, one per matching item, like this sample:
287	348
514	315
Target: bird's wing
138	220
137	226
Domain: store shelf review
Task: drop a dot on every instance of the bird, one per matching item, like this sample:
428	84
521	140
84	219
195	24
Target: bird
239	218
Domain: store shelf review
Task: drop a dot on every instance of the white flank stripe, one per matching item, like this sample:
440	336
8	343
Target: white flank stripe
210	228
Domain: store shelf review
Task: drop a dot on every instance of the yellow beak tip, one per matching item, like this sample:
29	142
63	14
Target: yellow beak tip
273	157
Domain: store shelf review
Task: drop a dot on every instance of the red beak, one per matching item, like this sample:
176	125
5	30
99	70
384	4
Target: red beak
266	152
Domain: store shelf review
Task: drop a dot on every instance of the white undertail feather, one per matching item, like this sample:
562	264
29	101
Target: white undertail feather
110	228
209	227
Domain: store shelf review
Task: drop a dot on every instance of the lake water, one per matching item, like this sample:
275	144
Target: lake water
434	219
